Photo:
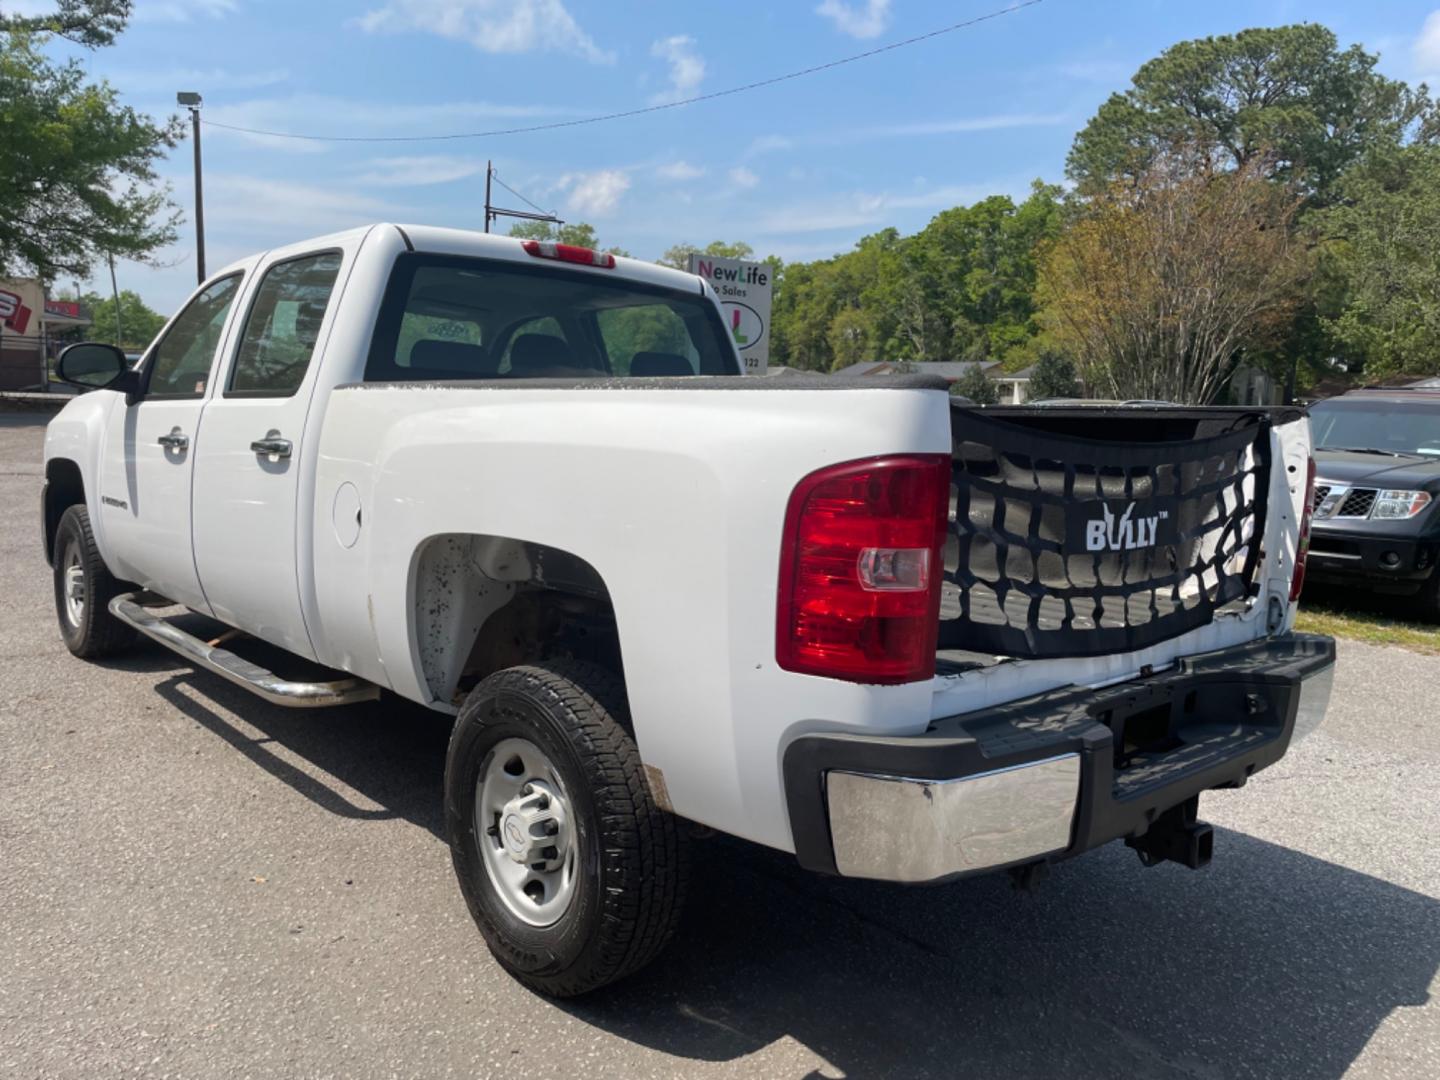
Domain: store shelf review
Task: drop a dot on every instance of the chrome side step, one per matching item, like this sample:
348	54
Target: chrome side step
259	681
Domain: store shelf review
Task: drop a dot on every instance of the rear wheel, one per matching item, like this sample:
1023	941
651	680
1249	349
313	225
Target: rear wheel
573	874
84	588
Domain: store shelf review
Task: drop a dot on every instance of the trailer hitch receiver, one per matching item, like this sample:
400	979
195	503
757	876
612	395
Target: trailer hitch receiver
1176	836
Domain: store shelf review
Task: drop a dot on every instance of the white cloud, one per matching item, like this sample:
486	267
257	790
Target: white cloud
867	209
743	178
1427	47
492	26
914	129
765	144
679	170
687	68
205	80
595	194
290	209
182	11
866	19
326	115
1107	72
419	171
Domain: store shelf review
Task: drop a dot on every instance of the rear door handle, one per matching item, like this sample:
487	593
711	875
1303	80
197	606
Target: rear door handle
271	446
176	440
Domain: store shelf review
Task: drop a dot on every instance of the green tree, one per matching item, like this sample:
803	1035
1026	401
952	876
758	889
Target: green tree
91	23
1287	96
977	386
137	326
1053	377
76	166
963	287
679	255
1165	282
849	338
579	233
1384	254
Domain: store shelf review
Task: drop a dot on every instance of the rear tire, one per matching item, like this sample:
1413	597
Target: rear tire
573	874
84	588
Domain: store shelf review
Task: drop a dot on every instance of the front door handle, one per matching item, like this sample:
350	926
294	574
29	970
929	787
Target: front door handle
176	440
271	446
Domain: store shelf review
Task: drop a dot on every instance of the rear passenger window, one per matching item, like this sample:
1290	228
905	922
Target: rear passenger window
283	326
647	340
547	326
448	317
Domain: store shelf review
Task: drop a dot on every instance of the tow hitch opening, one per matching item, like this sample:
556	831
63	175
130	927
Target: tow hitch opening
1176	836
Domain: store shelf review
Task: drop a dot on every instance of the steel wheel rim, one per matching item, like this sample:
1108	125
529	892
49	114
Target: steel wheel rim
525	830
72	583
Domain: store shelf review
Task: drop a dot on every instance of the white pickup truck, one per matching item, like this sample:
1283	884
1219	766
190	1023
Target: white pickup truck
858	620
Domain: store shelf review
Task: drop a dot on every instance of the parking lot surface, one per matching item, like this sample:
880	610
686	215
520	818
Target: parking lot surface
196	883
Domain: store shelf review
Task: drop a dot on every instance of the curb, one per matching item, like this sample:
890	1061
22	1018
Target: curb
21	401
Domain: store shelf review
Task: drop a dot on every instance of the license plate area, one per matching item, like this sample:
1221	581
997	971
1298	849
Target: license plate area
1171	728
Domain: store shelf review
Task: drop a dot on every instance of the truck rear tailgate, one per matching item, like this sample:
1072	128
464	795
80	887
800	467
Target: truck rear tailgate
1100	531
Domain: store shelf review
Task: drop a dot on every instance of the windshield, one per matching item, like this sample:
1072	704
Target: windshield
1391	427
446	317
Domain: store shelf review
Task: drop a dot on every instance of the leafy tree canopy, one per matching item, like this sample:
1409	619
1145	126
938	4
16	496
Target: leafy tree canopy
977	386
960	289
1288	95
86	22
579	233
1385	252
679	255
137	324
1165	282
1053	377
77	167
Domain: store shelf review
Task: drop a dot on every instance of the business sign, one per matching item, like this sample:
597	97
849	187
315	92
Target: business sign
69	309
14	313
744	289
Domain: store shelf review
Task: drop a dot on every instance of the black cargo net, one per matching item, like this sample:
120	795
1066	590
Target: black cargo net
1070	546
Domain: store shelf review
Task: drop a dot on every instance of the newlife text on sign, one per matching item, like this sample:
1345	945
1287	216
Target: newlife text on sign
744	289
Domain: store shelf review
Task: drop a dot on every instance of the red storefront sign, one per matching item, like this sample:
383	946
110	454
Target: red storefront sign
13	313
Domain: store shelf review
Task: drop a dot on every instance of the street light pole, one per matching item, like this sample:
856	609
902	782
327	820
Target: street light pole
192	101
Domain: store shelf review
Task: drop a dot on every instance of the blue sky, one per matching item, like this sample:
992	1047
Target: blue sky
802	169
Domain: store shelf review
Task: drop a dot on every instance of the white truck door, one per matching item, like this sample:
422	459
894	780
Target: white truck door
248	458
149	452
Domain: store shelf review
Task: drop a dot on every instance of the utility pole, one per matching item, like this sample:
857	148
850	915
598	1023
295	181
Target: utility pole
192	101
115	291
492	212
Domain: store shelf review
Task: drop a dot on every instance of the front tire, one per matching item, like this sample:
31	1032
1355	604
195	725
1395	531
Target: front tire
573	874
84	588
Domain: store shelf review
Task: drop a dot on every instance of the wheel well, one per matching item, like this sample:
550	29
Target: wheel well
485	603
64	487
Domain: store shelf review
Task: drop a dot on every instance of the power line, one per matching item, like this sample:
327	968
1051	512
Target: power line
641	111
538	209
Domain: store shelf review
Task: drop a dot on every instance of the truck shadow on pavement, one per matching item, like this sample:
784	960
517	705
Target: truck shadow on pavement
1269	963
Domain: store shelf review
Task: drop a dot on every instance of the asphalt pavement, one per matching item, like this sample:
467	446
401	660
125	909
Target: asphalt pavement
195	883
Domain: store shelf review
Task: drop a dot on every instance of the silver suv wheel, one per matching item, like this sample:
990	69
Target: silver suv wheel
74	585
525	830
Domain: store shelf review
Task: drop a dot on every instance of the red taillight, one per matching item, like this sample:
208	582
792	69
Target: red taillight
548	249
1302	545
860	569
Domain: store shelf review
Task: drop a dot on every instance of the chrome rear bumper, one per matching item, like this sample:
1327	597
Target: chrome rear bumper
1051	776
902	829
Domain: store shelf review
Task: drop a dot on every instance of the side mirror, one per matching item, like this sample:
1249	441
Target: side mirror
92	365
